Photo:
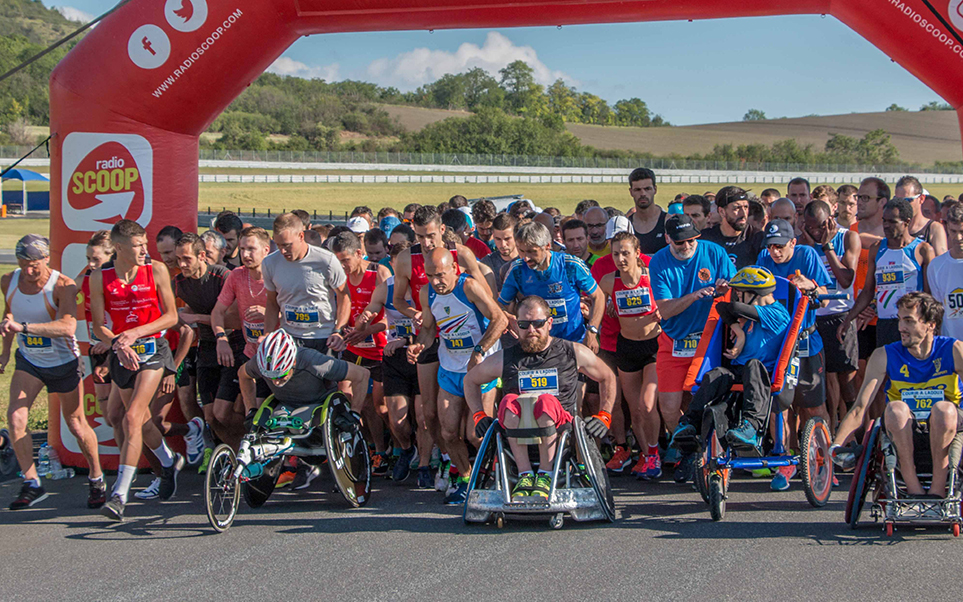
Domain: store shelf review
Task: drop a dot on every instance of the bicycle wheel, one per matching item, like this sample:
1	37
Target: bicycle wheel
815	466
864	477
221	492
348	457
717	496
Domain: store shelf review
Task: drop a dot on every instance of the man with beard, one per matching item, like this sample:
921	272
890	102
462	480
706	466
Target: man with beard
548	367
648	219
741	241
595	220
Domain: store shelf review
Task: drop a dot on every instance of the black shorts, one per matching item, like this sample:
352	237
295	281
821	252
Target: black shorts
887	331
320	345
161	360
867	341
429	355
400	376
811	390
634	356
58	379
840	357
373	366
101	359
188	368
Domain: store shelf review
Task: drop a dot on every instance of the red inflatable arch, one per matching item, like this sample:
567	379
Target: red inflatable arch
130	101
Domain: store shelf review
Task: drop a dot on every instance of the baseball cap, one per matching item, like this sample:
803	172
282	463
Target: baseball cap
358	225
616	224
680	227
388	224
779	232
675	208
33	247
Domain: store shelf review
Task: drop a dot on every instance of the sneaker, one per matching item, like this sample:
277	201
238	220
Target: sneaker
780	482
760	473
435	457
672	457
639	467
835	481
205	460
168	478
379	465
151	493
403	465
621	459
415	463
683	470
114	509
684	439
285	478
543	485
97	494
441	479
651	469
194	441
306	474
744	435
459	495
425	480
524	486
29	495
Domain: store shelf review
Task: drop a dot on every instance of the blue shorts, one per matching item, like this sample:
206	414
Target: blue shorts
454	382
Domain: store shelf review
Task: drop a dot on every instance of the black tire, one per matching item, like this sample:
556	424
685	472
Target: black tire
257	491
864	477
222	495
8	459
483	475
815	464
717	497
348	457
588	454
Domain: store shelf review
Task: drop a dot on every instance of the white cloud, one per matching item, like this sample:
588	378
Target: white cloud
289	66
74	14
422	65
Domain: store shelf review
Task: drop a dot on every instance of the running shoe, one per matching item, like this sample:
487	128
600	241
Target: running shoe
744	435
435	457
194	441
652	469
524	486
285	478
760	473
639	467
29	495
425	480
684	469
168	478
205	461
441	479
780	482
684	439
114	509
543	485
306	474
379	465
621	459
672	456
151	493
459	494
403	465
97	493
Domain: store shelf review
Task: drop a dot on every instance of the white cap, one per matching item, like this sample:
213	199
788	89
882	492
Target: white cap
616	224
358	225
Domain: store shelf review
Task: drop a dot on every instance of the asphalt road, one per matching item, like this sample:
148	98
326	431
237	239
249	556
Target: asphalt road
406	545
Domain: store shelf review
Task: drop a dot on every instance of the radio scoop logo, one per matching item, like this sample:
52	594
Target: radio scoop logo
106	178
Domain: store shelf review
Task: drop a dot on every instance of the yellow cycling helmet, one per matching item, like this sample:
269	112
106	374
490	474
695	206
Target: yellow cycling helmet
754	279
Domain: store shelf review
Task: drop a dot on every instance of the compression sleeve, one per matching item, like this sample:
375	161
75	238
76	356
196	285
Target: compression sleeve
731	312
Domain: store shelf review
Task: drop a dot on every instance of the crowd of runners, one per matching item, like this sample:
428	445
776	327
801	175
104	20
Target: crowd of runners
434	318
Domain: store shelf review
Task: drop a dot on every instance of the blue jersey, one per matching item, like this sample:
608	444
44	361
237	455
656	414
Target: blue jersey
673	279
561	285
921	383
764	338
806	261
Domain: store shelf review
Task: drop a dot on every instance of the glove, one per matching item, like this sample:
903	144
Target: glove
842	457
598	425
482	425
249	420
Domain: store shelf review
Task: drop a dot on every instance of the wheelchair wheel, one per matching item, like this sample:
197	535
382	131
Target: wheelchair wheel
717	497
8	459
221	492
257	491
864	477
483	472
588	454
348	457
815	465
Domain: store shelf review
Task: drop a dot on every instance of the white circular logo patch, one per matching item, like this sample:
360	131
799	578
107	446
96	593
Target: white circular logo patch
185	15
148	47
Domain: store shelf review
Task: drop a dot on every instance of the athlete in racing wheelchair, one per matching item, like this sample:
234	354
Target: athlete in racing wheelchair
922	371
540	379
305	416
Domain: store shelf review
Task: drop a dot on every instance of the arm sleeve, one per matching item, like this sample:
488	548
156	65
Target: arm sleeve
251	368
323	366
268	274
580	276
509	288
227	295
659	279
728	269
820	275
731	312
335	273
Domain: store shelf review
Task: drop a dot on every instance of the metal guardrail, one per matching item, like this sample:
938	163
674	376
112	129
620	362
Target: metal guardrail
265	217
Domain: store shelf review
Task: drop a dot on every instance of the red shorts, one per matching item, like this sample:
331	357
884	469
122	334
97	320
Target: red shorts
545	404
671	370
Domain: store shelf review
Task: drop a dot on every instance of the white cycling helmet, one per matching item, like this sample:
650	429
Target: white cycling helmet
276	354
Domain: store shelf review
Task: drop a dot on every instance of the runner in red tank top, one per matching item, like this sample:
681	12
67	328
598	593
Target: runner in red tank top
137	295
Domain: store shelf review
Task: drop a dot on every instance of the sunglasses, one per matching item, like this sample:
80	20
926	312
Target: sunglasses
525	324
682	243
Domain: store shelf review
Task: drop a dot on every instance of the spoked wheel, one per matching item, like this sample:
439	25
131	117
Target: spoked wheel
815	465
588	454
484	473
257	491
717	496
864	477
8	459
222	494
348	457
700	469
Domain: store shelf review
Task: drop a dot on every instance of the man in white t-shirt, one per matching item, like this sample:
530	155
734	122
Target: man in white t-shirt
945	274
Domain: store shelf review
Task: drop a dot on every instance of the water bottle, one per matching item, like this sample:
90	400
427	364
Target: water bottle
61	473
54	458
43	460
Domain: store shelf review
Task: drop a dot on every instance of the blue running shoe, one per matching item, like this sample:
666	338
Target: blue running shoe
426	478
403	466
459	494
744	435
780	482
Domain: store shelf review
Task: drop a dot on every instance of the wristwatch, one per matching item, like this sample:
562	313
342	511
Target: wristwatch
592	329
827	247
24	326
478	349
221	335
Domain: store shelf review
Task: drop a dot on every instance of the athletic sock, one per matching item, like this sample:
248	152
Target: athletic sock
541	472
125	477
653	450
445	458
35	483
99	479
164	455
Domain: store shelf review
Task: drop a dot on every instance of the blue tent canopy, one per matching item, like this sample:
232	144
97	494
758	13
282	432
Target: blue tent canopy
24	175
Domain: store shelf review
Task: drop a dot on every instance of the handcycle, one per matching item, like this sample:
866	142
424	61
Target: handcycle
714	467
328	428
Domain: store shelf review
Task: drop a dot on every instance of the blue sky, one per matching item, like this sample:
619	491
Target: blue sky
700	72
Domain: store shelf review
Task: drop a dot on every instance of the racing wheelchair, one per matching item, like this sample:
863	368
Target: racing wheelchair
714	467
580	483
877	471
327	429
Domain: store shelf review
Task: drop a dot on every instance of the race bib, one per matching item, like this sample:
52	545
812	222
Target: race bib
145	348
634	302
538	381
253	330
803	346
302	316
460	344
404	328
368	343
36	344
792	374
686	347
557	310
920	401
889	279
